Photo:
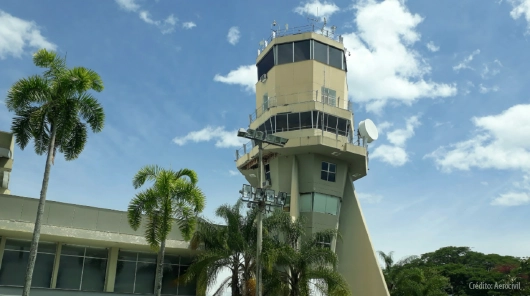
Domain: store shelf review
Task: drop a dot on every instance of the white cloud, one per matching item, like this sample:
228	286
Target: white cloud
383	64
491	69
369	198
166	26
521	8
223	138
383	126
244	76
233	35
395	154
485	90
233	173
189	25
317	9
17	34
465	63
432	47
512	199
502	142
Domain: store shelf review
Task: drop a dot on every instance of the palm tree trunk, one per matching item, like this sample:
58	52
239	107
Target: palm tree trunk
160	268
40	212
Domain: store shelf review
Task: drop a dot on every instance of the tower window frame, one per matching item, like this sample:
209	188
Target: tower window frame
328	171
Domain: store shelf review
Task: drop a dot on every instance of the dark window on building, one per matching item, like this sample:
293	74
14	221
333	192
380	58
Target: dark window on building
306	202
188	289
344	65
332	124
320	52
324	241
82	268
261	128
15	261
305	120
266	63
272	121
335	57
342	126
268	127
268	172
317	120
328	172
302	50
294	121
135	273
281	123
285	53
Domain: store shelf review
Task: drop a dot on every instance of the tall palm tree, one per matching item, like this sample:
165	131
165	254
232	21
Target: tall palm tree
296	263
230	246
173	197
54	109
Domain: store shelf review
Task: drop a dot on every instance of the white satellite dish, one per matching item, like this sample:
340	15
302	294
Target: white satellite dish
368	130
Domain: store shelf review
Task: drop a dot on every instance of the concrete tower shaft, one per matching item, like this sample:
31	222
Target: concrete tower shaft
301	95
7	147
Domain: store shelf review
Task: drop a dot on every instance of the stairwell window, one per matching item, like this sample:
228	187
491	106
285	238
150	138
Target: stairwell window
268	173
329	96
324	241
265	102
328	172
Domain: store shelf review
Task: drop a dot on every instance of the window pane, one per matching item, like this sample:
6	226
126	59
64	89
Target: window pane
17	245
325	166
324	175
318	119
97	253
94	274
69	275
332	124
42	274
147	257
332	167
285	53
335	57
294	121
319	204
306	202
129	256
320	52
268	127
145	278
342	126
314	120
188	289
186	260
125	271
305	120
13	268
265	102
266	64
281	123
72	250
171	273
331	177
261	128
332	205
272	121
302	50
171	259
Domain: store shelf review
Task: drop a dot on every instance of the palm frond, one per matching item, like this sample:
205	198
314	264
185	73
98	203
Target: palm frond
27	91
147	173
143	202
91	111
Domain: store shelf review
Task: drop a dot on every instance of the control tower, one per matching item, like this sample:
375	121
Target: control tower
302	95
7	147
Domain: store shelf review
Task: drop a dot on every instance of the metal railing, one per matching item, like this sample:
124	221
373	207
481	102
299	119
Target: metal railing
297	98
319	29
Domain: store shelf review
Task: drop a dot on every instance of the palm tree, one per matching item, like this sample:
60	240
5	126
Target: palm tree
230	246
174	196
54	110
295	263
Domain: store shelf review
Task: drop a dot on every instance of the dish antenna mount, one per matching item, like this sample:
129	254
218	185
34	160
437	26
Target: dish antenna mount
368	132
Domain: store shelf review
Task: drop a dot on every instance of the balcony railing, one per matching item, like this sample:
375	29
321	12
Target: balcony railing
297	98
315	28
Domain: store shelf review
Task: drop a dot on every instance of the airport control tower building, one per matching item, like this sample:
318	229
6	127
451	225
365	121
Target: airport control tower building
302	95
7	147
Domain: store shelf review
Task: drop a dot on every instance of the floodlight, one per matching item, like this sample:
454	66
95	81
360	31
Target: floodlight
282	196
259	194
283	141
249	205
269	195
242	133
247	191
259	135
251	133
270	138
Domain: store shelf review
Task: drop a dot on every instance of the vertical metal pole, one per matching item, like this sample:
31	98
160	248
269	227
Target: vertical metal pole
260	223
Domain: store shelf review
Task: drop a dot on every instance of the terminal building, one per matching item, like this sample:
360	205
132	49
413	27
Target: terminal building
302	95
82	250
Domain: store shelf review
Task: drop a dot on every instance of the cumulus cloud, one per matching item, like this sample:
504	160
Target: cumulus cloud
501	142
383	65
233	35
521	8
395	154
484	90
369	198
317	9
464	64
222	137
512	199
244	76
383	126
432	47
166	26
189	25
17	34
491	69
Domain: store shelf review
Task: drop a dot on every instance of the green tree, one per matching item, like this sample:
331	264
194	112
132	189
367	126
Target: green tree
54	109
296	263
231	246
173	197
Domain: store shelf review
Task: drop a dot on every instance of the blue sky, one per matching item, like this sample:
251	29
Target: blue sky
445	81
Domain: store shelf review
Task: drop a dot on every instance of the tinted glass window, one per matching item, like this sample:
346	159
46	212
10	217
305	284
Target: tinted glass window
320	52
268	127
294	121
317	119
285	53
145	278
272	121
94	274
266	64
305	120
342	126
302	50
332	205
281	123
319	203
188	289
125	271
306	202
171	272
335	57
332	124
